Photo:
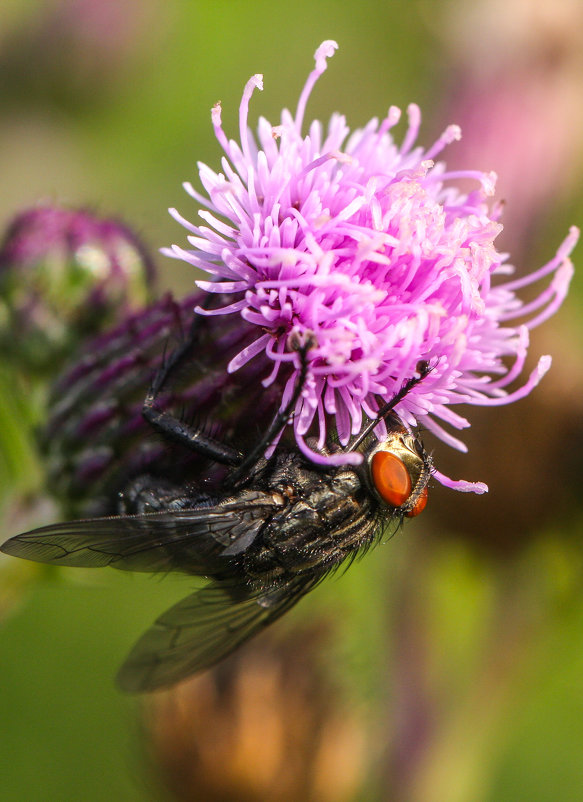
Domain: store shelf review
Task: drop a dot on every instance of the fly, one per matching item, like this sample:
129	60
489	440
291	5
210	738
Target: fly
278	527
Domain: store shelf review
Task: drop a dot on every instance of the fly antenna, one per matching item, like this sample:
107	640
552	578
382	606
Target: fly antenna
423	368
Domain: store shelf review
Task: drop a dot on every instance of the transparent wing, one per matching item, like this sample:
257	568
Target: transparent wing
202	629
191	541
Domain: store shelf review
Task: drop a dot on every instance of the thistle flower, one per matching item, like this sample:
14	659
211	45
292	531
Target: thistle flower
367	248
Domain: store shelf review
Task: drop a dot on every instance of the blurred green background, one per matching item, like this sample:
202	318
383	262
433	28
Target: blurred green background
459	642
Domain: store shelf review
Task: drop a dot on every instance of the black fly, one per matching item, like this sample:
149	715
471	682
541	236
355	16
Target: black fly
277	527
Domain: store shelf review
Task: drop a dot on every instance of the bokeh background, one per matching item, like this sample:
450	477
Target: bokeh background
448	665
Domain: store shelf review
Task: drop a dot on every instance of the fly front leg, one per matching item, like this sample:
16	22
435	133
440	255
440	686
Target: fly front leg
171	426
282	416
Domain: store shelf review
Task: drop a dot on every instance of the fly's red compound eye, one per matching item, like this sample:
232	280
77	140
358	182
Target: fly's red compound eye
392	481
391	478
419	505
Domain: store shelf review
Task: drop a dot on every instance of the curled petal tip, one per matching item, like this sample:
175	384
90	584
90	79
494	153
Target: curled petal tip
544	364
325	51
489	182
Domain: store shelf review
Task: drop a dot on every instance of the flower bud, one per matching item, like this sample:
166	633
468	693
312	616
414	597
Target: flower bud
65	275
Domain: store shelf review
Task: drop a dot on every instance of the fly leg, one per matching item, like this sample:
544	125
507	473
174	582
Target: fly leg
171	426
280	419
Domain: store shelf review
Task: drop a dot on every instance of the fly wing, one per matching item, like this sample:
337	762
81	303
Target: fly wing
196	541
202	629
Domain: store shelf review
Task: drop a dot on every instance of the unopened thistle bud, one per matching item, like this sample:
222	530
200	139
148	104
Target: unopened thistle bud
64	275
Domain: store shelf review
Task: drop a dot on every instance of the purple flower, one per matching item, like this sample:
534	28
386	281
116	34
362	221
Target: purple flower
369	249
